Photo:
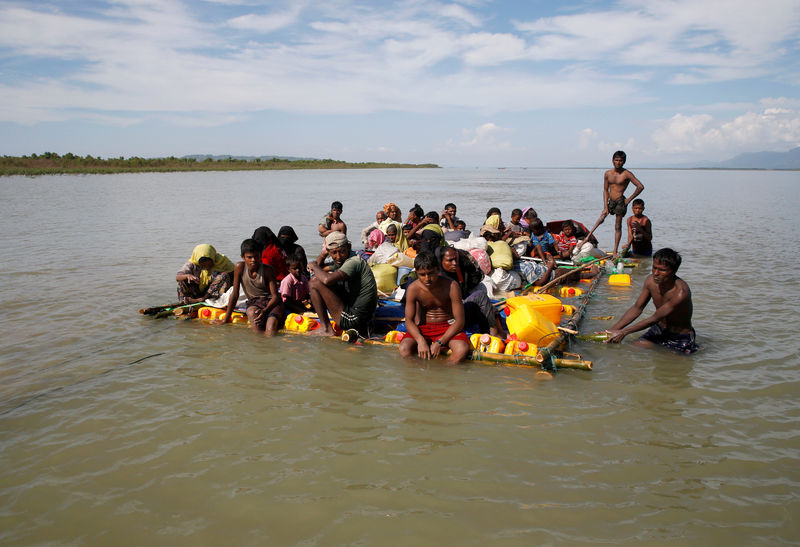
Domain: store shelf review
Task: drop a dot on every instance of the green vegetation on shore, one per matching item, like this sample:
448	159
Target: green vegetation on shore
50	163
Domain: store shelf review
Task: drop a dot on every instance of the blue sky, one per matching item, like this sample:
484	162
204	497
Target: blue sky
461	83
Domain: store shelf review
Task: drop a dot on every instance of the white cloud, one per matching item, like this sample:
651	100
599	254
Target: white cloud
589	141
460	13
268	22
716	40
771	128
492	49
486	136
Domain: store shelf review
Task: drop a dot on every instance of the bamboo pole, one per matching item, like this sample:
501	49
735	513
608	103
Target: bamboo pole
545	355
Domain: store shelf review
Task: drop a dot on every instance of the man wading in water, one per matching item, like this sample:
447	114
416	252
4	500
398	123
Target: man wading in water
671	324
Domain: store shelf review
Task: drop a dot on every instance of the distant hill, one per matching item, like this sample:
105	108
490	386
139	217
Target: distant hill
756	160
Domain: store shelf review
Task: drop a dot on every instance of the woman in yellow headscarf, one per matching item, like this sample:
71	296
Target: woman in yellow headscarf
395	235
208	274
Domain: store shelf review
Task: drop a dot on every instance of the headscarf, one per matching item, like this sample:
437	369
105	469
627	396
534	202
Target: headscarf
493	221
524	212
271	253
436	229
400	241
286	240
286	236
388	207
430	240
221	263
375	238
265	237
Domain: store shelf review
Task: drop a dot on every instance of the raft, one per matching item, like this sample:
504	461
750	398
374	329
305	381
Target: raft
543	347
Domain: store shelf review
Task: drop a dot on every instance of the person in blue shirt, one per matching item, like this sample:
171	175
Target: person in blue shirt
542	241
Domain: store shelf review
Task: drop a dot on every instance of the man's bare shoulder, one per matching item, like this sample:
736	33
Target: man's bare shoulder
444	285
682	286
416	289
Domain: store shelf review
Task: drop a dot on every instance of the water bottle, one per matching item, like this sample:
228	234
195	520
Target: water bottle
620	267
609	266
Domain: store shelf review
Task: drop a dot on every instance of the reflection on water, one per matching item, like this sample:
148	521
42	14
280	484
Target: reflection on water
116	425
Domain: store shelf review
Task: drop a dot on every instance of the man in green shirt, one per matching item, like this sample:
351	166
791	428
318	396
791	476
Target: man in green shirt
348	291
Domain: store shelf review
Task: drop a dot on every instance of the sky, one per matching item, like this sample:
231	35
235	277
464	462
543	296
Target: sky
458	83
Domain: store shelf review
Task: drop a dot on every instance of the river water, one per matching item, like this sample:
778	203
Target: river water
118	428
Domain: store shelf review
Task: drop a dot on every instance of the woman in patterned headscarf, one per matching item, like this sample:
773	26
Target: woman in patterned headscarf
206	275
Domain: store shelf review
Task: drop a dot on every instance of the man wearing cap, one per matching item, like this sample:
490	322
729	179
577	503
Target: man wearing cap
348	291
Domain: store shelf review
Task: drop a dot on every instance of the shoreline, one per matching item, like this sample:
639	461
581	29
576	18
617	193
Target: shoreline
53	164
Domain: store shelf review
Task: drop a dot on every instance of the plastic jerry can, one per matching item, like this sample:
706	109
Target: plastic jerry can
530	325
210	314
546	304
239	318
486	342
569	292
620	280
521	347
394	336
299	323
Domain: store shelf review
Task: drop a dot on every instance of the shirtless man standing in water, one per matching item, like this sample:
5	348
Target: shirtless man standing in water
434	313
671	324
615	182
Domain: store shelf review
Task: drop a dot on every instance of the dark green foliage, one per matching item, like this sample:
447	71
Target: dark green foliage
51	163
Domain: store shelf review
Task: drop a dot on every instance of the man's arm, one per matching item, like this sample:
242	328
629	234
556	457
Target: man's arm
457	307
328	278
647	229
545	277
423	350
619	330
418	226
605	195
639	187
275	297
630	233
323	229
234	298
449	219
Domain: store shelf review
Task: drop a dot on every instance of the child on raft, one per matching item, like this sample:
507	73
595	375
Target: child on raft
566	240
514	229
434	314
332	222
640	232
542	241
264	304
206	275
460	231
294	288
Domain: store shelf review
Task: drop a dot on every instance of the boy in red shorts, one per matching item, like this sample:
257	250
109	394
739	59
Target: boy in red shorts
434	314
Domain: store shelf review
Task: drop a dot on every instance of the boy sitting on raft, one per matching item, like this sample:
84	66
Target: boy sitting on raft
348	291
264	306
332	222
671	324
640	231
434	314
566	240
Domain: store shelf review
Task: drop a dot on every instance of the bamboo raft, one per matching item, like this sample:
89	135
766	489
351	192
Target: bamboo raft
549	358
